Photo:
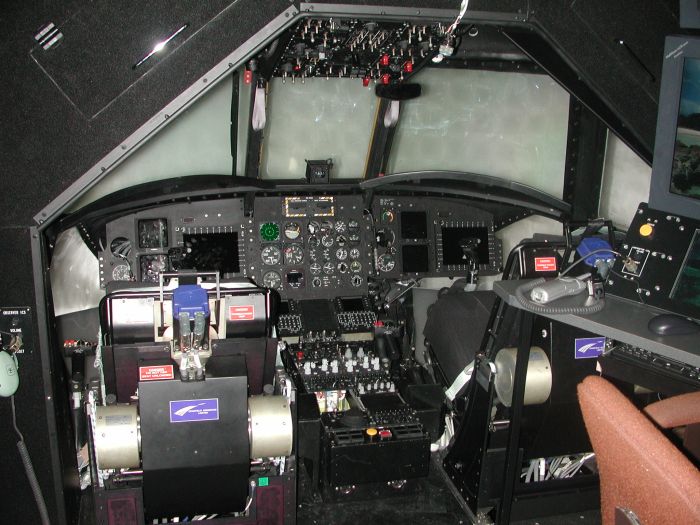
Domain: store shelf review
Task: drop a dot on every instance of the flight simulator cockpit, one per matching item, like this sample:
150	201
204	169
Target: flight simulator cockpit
362	269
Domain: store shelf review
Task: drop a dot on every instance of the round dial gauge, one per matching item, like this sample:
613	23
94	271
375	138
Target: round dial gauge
315	268
313	227
356	281
327	241
272	280
313	241
328	268
271	255
293	254
353	226
386	263
316	282
341	254
326	226
292	230
341	240
356	266
340	227
121	272
269	231
354	238
342	267
355	253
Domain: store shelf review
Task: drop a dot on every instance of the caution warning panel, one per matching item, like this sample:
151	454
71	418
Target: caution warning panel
156	373
243	312
545	264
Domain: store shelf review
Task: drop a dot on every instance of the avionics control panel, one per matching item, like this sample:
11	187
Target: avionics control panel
302	246
310	246
305	246
660	262
438	237
203	236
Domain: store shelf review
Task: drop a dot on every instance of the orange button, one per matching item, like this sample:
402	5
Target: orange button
371	432
646	229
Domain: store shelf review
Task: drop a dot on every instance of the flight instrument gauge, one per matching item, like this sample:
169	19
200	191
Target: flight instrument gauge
386	263
314	227
272	280
341	254
340	227
355	253
293	254
328	268
292	231
269	231
315	268
353	226
356	266
327	241
271	255
121	272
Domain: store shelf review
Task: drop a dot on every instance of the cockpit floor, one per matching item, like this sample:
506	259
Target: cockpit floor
431	503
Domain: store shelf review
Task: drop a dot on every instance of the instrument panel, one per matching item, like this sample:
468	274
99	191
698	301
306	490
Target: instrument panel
437	237
303	246
311	246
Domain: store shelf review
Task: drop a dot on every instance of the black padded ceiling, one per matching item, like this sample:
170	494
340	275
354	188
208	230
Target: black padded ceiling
103	42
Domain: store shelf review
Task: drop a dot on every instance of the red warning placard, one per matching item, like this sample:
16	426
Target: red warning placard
545	264
243	312
155	373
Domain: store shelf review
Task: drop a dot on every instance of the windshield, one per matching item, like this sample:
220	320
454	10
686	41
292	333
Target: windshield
507	125
503	124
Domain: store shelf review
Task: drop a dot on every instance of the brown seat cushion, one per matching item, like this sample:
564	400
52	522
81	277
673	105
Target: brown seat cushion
639	468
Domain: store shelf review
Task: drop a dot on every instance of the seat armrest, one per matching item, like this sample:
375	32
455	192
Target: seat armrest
677	411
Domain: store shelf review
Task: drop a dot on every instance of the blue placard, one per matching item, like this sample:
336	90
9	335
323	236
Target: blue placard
191	410
589	347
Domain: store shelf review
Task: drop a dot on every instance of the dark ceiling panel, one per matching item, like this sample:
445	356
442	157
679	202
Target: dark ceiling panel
102	42
626	75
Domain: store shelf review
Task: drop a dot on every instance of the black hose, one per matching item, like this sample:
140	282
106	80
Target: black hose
29	469
34	483
532	306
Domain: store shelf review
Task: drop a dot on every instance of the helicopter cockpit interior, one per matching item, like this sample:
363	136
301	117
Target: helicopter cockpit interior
324	263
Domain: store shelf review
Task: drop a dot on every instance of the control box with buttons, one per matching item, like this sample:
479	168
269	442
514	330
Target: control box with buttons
659	262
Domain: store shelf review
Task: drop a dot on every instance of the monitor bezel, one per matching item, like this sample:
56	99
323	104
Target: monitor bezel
676	51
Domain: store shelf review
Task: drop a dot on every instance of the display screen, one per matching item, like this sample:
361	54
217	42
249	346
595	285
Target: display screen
211	252
454	238
415	258
414	225
151	266
687	287
153	233
685	174
352	304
